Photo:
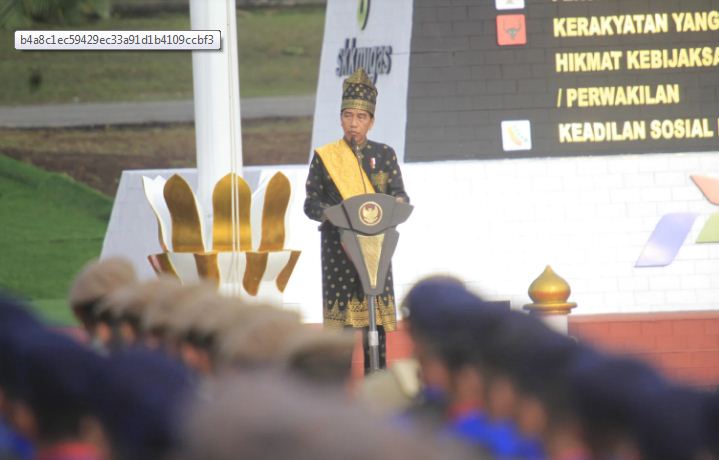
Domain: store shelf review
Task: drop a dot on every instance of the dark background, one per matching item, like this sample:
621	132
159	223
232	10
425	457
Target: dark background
462	84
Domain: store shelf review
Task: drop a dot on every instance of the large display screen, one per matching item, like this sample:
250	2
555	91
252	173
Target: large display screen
550	78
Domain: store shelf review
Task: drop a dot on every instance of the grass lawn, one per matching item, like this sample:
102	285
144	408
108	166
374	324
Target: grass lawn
279	52
52	225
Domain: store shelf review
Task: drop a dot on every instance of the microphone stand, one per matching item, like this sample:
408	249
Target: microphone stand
372	333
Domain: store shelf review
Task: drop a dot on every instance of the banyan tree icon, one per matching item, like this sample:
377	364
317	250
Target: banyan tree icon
247	254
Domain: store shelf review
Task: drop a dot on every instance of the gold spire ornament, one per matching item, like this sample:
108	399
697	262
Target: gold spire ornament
359	92
549	294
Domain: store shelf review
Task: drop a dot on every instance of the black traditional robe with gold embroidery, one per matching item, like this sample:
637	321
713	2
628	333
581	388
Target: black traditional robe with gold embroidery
344	303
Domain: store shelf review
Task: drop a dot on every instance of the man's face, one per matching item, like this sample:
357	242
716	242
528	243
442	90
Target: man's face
356	123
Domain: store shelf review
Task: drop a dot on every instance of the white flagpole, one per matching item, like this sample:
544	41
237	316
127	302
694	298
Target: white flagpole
216	88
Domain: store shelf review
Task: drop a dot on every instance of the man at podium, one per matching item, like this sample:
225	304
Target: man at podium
340	170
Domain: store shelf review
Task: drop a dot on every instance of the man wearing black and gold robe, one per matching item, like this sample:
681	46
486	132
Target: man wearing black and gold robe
340	170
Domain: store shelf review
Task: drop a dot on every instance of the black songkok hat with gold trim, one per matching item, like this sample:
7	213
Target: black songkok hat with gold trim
358	92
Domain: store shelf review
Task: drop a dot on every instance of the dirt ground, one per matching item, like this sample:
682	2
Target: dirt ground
97	157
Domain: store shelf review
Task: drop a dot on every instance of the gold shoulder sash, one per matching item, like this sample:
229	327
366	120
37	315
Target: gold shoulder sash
341	164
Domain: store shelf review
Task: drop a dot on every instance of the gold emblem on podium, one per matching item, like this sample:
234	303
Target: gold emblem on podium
370	213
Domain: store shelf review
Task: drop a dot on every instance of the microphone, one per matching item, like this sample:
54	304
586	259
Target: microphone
356	149
354	145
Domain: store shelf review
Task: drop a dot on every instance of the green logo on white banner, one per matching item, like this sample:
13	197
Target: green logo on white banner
363	13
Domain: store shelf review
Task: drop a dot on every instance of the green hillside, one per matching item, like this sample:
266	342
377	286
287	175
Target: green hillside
51	226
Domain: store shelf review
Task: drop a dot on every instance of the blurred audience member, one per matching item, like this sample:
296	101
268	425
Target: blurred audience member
193	375
319	357
393	390
94	282
49	397
16	323
140	402
195	327
258	343
126	307
263	417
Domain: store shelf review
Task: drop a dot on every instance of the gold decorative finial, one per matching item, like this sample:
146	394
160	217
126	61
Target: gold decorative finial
550	292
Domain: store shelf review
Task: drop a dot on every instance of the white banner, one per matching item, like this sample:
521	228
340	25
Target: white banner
375	35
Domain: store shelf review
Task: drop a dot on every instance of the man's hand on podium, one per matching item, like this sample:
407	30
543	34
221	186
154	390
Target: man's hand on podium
399	199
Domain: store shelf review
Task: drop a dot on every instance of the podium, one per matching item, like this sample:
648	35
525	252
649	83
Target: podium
369	237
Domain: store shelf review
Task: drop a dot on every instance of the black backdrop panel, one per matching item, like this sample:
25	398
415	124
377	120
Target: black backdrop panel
594	78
